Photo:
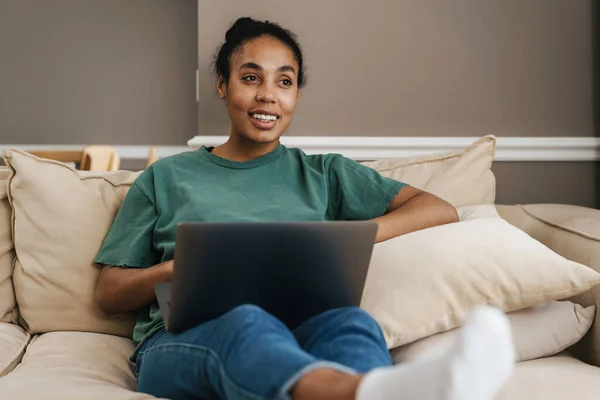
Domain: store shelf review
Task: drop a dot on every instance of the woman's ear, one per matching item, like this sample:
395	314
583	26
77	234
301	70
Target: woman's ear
221	87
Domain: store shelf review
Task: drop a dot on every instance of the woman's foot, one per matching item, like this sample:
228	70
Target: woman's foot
475	368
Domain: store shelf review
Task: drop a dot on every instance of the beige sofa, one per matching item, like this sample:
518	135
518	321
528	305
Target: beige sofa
54	343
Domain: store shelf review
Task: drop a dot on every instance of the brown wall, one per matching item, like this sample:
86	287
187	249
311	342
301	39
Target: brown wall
596	64
424	67
435	68
546	182
122	72
98	71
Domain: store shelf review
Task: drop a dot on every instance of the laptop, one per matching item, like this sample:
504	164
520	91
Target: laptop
293	270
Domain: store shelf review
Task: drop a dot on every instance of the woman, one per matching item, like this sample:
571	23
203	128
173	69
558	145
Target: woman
247	353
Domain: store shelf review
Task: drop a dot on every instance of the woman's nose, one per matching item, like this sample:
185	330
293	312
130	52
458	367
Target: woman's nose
265	94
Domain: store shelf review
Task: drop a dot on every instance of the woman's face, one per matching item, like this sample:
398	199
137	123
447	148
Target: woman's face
262	91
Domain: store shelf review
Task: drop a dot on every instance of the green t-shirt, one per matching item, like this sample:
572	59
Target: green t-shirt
283	185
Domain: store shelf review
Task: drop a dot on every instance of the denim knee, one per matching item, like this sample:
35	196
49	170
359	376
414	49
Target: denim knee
247	315
356	316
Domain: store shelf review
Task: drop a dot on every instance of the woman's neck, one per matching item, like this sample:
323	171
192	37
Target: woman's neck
240	149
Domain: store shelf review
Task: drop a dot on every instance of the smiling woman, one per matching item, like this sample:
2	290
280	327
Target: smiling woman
260	71
247	353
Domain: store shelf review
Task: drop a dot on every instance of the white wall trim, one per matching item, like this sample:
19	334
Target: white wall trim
374	148
126	152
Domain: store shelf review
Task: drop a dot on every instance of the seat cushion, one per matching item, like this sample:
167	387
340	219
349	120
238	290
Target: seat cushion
555	378
574	233
13	341
74	365
7	254
462	178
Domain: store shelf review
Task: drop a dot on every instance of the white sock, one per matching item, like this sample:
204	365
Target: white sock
474	368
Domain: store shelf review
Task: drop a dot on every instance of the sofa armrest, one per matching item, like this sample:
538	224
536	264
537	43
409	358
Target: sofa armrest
574	233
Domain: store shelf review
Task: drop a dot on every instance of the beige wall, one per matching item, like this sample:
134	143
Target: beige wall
424	67
98	71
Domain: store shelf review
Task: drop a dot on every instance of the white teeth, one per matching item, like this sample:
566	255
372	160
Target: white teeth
264	118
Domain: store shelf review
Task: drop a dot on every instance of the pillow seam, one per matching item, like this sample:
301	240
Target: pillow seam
453	155
563	228
57	163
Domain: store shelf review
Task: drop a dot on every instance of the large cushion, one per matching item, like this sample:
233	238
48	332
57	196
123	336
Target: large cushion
555	378
462	178
13	341
74	366
60	219
7	255
574	233
428	281
537	332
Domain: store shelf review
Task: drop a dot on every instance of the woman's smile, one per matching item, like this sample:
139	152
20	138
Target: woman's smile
263	119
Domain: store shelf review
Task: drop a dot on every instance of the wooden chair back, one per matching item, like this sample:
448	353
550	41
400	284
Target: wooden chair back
91	158
99	158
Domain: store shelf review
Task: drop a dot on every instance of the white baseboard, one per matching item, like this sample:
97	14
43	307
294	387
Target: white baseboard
126	152
375	148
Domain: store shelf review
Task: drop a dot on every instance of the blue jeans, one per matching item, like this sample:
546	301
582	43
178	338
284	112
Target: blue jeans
248	354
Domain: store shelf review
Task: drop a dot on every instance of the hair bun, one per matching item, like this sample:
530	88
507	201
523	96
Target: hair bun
240	24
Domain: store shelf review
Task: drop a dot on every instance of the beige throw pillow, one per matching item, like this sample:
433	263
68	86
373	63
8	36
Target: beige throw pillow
60	219
474	212
428	281
8	312
462	178
538	331
13	342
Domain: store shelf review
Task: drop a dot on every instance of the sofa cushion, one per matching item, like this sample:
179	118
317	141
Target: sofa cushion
579	220
462	178
74	366
60	219
573	232
428	281
8	312
13	341
555	378
538	331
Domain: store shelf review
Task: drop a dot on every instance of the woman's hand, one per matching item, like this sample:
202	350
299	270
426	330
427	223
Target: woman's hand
130	289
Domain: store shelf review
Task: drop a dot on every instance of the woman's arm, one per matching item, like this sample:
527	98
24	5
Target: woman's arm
122	290
412	210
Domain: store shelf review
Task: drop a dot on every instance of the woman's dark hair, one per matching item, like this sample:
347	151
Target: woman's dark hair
245	29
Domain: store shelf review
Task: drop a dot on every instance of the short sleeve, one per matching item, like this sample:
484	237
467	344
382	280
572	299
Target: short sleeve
357	192
128	242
